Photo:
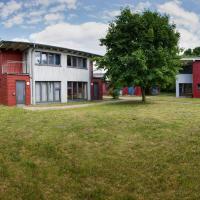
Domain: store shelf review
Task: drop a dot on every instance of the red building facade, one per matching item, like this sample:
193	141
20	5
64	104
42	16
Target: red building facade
11	73
196	79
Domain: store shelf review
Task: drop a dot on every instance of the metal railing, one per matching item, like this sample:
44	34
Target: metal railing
14	67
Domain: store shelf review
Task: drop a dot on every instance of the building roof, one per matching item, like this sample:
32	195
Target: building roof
190	59
21	46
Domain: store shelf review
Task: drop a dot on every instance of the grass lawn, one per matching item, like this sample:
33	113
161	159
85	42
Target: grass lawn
124	151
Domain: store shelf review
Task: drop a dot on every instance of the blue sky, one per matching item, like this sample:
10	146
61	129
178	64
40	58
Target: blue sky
79	24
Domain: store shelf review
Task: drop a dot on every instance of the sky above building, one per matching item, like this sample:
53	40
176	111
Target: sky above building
79	24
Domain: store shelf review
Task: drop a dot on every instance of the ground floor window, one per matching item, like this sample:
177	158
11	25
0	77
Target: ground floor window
47	91
185	89
77	90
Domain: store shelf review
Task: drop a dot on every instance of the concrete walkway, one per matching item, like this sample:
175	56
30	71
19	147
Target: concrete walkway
63	107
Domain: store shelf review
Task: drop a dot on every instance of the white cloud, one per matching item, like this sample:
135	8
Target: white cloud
21	40
9	8
141	6
58	8
108	15
179	15
82	37
187	22
53	17
15	20
71	4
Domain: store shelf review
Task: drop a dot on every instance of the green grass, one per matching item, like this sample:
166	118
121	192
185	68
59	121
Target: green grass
122	151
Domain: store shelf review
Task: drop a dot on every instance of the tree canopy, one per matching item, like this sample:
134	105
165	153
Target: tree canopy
142	49
192	52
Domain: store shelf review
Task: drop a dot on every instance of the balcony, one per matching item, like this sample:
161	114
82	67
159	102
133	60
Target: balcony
14	67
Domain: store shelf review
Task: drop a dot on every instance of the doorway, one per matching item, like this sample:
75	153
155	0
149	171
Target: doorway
96	91
20	92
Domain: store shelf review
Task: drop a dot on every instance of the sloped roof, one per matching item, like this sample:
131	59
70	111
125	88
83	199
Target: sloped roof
21	46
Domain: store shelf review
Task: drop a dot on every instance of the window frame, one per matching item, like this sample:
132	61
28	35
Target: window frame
84	86
47	91
84	62
48	53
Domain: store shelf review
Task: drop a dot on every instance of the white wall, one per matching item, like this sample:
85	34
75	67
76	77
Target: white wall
182	78
62	74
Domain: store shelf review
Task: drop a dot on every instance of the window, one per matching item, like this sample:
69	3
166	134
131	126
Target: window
51	58
76	62
37	58
69	61
185	89
198	85
47	92
57	59
77	90
45	58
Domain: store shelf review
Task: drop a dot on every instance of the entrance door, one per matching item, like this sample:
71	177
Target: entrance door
20	92
96	91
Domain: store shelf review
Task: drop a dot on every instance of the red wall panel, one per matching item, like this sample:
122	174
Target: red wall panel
8	89
196	79
138	91
7	56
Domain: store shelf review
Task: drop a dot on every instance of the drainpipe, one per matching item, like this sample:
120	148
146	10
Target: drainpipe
32	75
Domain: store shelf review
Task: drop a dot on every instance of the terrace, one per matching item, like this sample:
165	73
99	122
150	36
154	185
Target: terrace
14	67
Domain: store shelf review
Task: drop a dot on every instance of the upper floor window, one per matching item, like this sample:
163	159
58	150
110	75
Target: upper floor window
76	62
44	58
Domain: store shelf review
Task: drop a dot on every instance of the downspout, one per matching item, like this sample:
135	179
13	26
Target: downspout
32	75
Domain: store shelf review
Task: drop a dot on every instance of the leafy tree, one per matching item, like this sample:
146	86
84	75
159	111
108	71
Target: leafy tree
192	52
188	52
196	51
142	50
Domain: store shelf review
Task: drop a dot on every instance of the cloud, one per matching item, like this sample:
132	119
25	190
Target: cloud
9	8
15	20
21	40
187	22
82	37
71	4
53	18
141	6
32	12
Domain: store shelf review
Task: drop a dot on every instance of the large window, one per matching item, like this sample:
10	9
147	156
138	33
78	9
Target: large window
47	91
44	58
76	62
185	89
77	90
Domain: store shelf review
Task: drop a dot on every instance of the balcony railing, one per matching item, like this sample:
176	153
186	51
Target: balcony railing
14	67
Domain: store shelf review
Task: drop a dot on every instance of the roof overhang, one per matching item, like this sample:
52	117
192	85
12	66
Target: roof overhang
191	59
21	46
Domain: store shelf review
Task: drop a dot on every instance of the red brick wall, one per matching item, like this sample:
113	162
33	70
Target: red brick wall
196	79
8	89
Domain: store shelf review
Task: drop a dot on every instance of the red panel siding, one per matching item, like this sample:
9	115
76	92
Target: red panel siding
6	56
8	89
138	91
196	79
125	91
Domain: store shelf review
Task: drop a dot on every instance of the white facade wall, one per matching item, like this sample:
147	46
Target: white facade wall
56	73
182	78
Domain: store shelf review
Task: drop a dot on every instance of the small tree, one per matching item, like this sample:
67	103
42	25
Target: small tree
142	50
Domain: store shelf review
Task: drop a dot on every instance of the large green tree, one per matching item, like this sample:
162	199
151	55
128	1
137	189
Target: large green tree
142	50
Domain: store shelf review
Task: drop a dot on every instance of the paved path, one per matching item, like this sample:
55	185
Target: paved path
62	107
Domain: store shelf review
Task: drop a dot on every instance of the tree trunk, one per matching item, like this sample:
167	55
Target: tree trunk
143	94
